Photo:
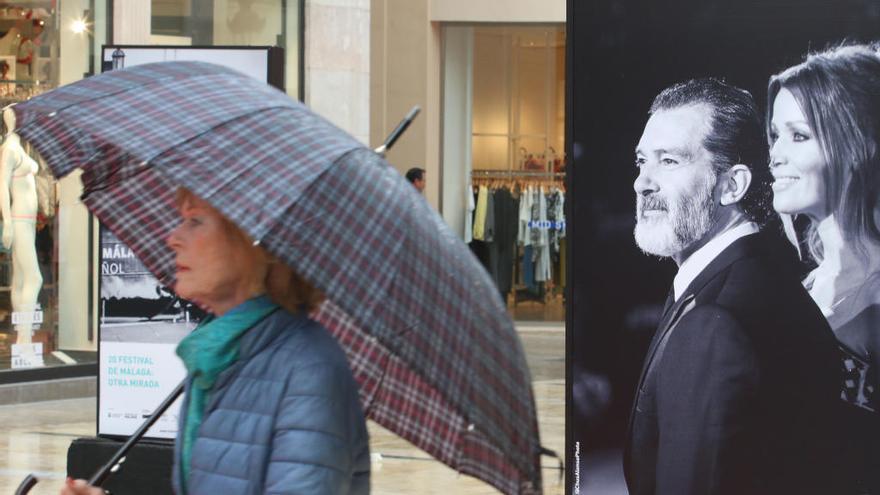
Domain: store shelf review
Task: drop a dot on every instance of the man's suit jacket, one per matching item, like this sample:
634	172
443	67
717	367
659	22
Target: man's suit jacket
740	385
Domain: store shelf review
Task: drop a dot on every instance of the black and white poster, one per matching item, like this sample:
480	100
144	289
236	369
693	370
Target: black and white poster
621	55
140	322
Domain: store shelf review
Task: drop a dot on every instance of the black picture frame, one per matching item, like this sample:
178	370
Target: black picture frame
620	54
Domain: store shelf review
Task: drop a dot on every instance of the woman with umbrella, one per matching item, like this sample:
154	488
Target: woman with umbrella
429	342
270	404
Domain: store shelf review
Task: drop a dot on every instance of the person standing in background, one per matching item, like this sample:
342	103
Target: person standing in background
416	177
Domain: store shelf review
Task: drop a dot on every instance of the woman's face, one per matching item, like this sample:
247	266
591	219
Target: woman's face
796	161
215	270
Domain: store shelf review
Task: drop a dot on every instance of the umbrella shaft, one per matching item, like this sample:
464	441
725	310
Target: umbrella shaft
392	138
101	475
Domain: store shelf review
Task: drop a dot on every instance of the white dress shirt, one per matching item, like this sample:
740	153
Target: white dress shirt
701	258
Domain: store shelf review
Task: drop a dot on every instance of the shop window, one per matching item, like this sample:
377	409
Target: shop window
503	158
232	23
518	98
45	279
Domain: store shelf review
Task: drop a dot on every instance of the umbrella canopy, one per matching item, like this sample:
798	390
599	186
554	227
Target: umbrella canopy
428	338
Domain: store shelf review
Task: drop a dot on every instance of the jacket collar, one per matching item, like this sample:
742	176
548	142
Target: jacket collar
701	258
743	247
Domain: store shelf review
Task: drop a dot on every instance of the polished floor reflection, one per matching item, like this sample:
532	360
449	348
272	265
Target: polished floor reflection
550	308
35	436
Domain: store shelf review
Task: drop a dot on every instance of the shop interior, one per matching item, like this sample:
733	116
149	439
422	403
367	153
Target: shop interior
518	166
28	252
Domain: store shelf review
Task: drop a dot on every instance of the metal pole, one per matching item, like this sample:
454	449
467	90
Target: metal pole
119	457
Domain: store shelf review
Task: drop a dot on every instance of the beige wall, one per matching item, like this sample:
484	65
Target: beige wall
405	71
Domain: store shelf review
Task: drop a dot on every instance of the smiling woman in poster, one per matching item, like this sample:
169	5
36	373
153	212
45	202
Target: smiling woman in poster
824	132
18	207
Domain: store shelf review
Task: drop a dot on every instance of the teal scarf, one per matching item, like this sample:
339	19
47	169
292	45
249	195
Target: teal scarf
210	349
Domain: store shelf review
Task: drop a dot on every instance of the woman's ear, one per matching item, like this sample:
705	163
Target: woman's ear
735	183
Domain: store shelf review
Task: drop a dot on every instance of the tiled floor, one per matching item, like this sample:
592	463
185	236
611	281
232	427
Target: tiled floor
35	436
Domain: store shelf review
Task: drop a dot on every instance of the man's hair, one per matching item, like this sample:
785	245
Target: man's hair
735	136
838	91
415	174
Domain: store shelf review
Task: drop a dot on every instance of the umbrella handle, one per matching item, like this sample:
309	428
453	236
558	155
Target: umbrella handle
395	134
551	453
118	458
26	485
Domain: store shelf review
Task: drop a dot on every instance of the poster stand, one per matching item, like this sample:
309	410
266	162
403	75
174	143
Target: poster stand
140	322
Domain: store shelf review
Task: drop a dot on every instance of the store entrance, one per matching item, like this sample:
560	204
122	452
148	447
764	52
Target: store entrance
504	165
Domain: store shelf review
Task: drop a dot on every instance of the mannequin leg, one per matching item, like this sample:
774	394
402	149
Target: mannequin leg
27	279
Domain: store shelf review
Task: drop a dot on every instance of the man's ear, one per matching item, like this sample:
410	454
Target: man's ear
735	183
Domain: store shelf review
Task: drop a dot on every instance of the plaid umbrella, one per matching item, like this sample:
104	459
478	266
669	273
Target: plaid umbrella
428	339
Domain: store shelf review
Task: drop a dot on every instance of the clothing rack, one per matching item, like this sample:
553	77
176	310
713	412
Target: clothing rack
501	174
516	181
518	177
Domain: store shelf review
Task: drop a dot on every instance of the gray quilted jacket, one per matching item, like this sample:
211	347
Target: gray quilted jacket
285	418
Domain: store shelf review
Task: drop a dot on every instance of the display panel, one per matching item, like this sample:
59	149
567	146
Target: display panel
41	325
141	322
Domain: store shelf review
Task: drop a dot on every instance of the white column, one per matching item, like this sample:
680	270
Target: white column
73	267
457	118
74	59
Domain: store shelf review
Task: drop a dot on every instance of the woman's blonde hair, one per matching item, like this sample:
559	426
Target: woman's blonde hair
838	91
283	285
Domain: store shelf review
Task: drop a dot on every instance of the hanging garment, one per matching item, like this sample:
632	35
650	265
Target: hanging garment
542	254
469	214
556	222
506	224
525	216
528	269
480	216
560	214
489	224
535	218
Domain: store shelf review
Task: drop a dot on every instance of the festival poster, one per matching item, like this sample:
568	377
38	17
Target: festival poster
141	322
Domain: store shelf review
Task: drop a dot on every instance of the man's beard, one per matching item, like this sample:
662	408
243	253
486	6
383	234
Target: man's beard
682	223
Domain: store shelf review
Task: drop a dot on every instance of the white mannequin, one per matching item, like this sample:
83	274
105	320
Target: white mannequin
18	208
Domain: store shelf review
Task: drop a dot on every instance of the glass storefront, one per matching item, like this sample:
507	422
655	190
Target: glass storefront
233	23
44	262
49	259
506	85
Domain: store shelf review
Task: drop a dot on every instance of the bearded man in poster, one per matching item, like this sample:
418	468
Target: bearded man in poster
739	387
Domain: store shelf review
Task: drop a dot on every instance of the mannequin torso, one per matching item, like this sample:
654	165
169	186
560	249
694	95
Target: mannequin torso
18	209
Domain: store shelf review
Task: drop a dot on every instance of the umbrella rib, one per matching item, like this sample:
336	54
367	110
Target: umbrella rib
113	93
107	184
170	149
